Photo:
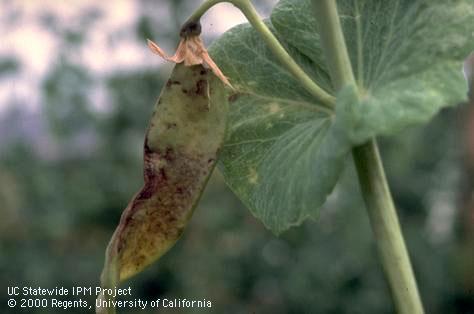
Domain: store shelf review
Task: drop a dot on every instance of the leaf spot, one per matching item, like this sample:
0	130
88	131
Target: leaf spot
253	176
274	108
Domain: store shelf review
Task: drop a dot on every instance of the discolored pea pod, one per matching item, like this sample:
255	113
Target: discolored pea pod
185	135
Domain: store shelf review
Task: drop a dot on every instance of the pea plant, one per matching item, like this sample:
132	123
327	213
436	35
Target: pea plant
280	105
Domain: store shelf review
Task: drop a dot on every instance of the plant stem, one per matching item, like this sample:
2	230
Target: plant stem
252	16
202	9
246	7
374	186
386	229
333	43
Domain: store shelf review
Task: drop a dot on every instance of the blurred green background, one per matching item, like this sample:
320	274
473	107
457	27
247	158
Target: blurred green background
71	133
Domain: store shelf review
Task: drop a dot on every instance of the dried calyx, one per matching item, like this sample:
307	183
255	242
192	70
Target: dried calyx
191	50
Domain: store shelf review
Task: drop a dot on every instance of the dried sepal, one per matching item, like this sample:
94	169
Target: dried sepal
191	51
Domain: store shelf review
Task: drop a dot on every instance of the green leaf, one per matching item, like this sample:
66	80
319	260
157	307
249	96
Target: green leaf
406	55
285	151
278	134
407	102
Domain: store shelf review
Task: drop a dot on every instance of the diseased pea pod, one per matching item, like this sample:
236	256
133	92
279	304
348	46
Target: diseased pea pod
186	132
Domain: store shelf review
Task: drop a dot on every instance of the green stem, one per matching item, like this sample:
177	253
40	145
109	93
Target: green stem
386	229
203	8
375	190
333	43
246	7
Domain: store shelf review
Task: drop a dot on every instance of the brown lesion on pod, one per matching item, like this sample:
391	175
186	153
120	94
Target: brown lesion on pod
233	97
180	152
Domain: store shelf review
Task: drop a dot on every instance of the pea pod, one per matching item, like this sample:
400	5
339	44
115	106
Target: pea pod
185	134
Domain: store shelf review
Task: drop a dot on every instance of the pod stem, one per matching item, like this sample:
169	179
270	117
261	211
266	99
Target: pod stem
376	193
246	7
202	9
109	280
